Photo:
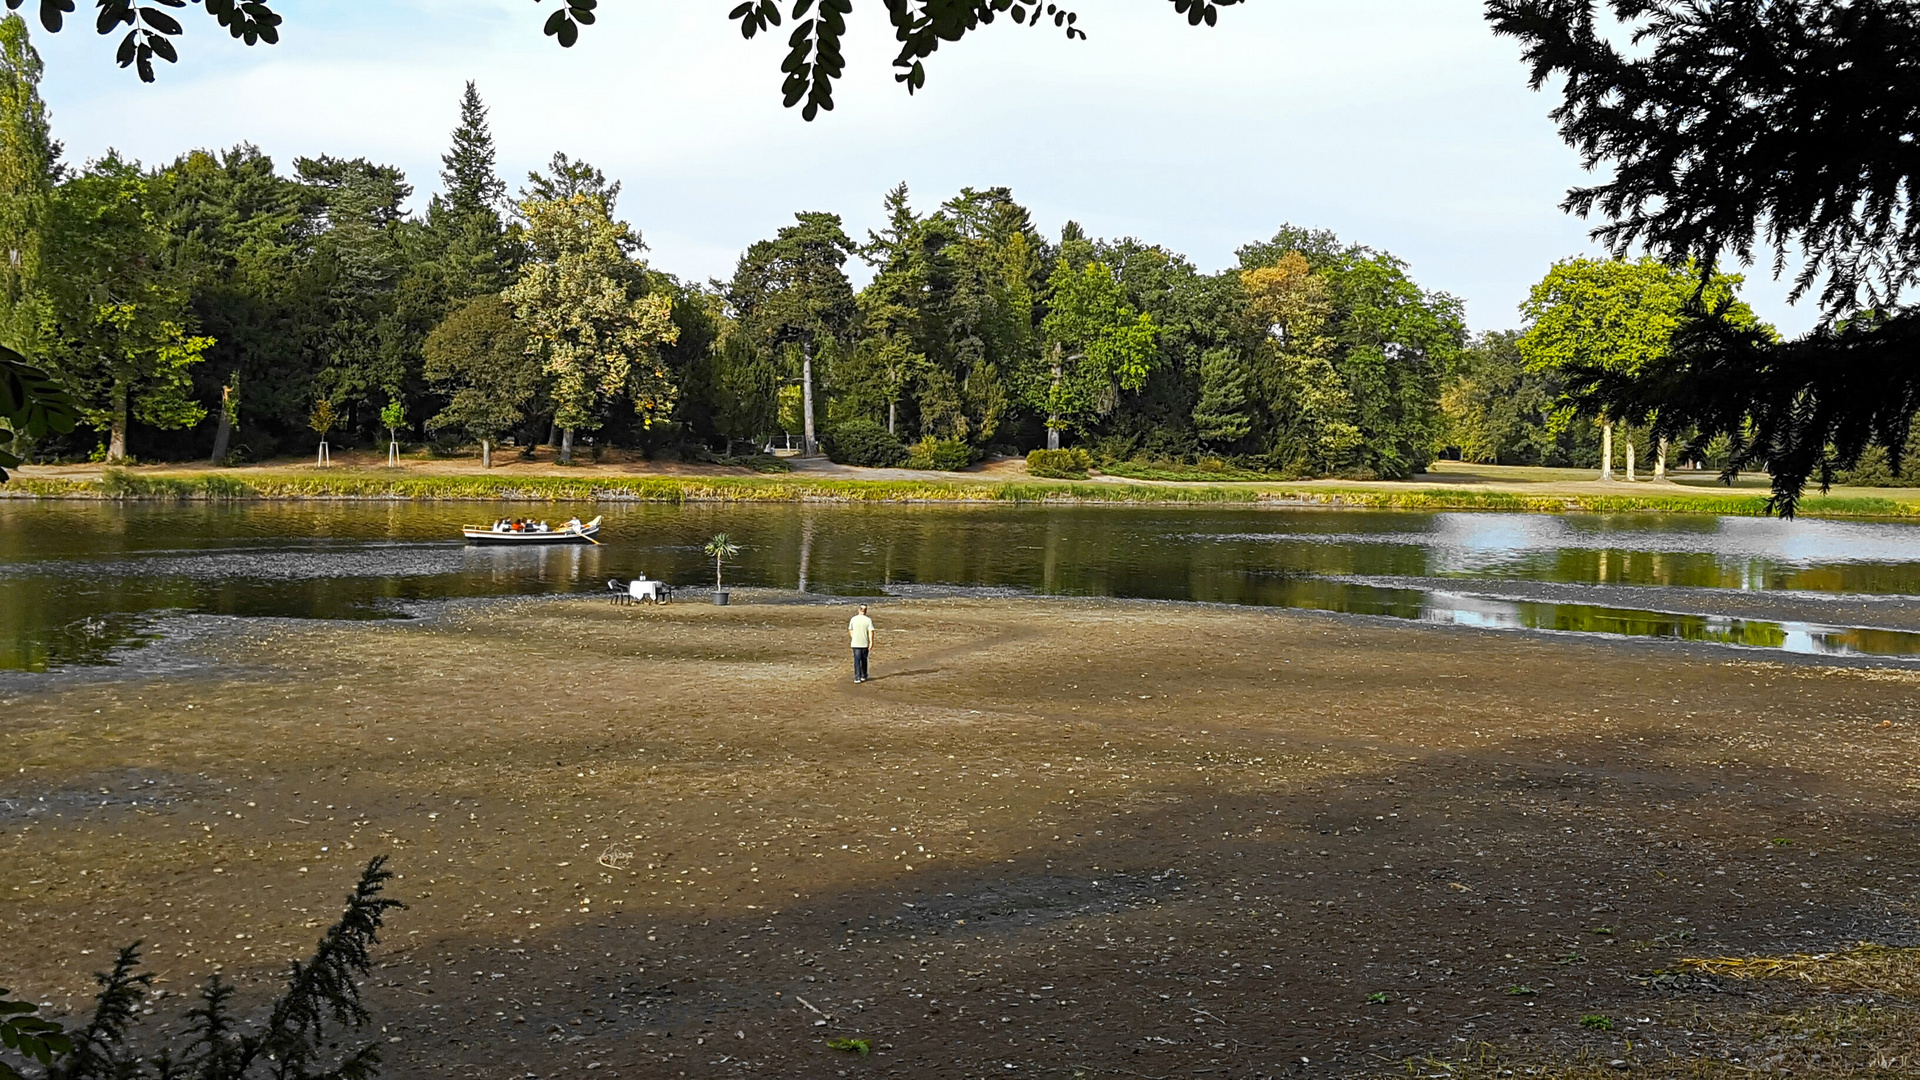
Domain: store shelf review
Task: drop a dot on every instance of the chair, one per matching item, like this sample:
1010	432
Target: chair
619	590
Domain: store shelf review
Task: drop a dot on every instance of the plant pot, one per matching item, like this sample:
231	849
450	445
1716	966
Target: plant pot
720	597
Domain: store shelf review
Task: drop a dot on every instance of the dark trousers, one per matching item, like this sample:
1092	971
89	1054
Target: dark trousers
860	663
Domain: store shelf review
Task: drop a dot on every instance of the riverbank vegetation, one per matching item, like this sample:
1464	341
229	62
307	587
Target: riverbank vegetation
245	484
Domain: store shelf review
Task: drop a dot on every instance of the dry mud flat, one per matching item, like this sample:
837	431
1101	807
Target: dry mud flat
1051	838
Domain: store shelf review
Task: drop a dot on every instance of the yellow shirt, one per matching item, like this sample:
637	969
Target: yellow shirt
861	629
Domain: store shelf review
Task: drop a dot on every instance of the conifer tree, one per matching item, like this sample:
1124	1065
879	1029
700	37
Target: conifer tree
475	250
468	166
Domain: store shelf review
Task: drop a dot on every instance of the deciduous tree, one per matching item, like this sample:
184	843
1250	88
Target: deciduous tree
1615	316
590	315
1094	346
119	329
478	358
791	294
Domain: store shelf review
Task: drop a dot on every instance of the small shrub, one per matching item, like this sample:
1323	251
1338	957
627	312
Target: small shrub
1596	1022
864	442
944	455
852	1046
1059	464
1378	997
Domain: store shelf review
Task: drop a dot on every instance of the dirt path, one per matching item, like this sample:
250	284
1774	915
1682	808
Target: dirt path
1050	838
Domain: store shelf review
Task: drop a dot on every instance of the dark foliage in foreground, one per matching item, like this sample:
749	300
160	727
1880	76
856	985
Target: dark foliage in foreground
299	1039
1783	124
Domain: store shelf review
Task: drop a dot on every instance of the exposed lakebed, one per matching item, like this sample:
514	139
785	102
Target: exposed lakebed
82	583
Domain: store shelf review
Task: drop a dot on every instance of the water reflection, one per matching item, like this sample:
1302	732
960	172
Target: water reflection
1795	637
78	580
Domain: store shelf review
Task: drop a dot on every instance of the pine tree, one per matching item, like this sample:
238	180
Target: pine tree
472	251
28	165
1223	415
472	185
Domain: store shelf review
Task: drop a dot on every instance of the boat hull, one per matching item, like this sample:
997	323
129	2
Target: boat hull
489	538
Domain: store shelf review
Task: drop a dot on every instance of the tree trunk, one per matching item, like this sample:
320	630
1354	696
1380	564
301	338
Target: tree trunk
807	448
223	432
716	573
1053	421
486	454
893	407
1606	449
566	446
1660	461
117	432
1629	461
553	434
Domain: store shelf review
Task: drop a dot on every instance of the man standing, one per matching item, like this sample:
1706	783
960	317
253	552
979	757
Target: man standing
860	629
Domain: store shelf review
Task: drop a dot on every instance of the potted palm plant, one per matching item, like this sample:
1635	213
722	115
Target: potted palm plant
720	549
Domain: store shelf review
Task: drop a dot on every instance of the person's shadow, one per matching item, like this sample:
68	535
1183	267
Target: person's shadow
904	674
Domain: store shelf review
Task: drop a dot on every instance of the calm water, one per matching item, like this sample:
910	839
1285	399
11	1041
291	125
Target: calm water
78	582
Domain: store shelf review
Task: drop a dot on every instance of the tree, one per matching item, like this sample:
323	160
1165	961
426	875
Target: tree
981	309
1314	427
895	314
1095	345
1499	411
472	185
791	294
323	419
393	417
720	549
473	252
1389	342
239	237
1614	316
1223	414
118	333
28	169
589	314
1728	129
478	358
359	343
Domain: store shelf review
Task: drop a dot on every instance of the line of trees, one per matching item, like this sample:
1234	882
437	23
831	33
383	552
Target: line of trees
218	307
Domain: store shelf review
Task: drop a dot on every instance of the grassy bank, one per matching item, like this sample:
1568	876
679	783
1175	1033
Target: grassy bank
120	484
265	484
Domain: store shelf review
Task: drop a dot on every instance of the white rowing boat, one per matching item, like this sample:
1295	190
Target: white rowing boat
486	535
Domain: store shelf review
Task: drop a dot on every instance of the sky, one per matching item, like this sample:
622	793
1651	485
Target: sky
1404	125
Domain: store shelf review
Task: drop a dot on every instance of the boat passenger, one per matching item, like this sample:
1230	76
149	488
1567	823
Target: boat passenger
574	524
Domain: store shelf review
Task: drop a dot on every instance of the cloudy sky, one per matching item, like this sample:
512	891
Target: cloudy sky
1401	124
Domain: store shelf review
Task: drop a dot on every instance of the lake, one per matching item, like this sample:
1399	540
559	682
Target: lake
82	582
